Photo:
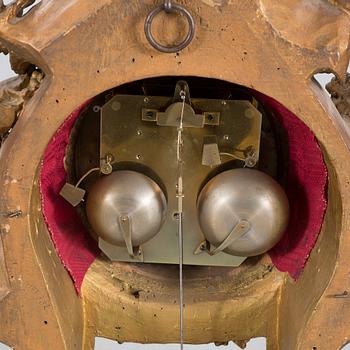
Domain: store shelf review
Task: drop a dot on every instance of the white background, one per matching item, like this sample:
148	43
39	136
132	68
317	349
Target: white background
104	344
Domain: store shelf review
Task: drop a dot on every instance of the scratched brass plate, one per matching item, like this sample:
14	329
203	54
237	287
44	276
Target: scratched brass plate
134	141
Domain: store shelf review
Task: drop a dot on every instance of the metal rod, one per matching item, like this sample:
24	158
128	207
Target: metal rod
181	280
180	196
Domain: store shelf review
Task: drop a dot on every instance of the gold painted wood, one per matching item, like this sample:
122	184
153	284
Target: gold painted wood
4	282
140	304
86	47
13	93
340	93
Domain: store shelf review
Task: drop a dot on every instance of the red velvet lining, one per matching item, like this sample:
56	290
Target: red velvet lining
75	247
306	191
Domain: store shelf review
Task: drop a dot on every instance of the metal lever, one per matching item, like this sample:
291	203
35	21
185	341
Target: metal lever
242	227
125	224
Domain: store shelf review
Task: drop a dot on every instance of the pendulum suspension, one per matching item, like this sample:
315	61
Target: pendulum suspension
180	196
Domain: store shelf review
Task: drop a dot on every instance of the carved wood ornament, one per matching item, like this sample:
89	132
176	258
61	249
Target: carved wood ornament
67	52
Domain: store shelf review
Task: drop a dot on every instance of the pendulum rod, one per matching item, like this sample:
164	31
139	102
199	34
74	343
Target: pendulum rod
180	196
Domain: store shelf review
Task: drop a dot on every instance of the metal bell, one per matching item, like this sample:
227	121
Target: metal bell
126	208
242	212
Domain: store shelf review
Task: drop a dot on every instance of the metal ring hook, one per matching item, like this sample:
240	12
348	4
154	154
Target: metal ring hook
169	7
